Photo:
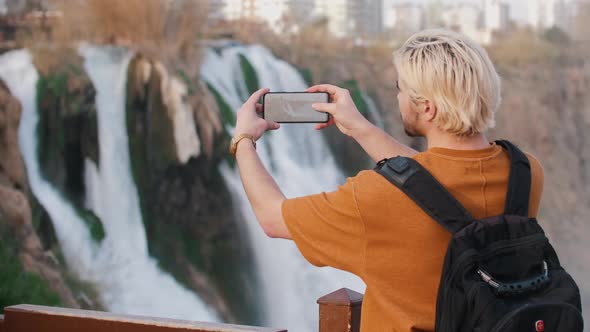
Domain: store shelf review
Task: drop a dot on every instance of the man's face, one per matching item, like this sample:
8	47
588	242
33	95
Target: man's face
409	115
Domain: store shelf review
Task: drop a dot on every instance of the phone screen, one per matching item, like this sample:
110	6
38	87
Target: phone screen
294	107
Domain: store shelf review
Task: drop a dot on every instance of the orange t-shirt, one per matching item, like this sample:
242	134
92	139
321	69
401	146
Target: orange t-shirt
370	228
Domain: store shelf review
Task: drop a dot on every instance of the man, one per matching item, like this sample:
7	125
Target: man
448	93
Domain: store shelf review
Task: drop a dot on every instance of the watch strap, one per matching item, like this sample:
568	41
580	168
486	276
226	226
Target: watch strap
236	140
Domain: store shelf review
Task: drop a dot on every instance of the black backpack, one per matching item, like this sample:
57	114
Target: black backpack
500	273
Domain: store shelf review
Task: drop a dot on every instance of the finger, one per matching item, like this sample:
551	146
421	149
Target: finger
272	125
329	88
325	125
259	108
324	107
255	97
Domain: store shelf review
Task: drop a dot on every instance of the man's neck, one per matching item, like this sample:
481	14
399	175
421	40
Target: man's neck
447	141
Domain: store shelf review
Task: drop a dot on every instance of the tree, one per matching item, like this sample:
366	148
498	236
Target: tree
556	36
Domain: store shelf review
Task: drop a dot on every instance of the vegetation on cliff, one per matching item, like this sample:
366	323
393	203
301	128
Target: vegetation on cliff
18	285
190	229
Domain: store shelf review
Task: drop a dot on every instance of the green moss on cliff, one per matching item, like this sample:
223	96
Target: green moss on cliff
93	223
50	130
16	285
307	75
250	76
67	131
227	115
357	96
57	84
66	135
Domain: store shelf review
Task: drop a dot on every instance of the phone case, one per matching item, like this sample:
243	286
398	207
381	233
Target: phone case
264	104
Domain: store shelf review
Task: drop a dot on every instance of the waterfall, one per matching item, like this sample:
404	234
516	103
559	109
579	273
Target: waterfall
128	280
374	113
301	163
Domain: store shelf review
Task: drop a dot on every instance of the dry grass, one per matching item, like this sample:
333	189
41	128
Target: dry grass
522	47
166	30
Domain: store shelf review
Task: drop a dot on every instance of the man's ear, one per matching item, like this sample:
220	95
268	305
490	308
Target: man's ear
429	110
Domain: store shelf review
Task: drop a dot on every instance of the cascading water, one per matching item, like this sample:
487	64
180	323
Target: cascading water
128	280
301	163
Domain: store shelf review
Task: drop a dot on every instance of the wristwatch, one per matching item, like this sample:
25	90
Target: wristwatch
233	145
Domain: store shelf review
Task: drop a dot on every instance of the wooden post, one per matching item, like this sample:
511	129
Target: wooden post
26	318
1	323
340	311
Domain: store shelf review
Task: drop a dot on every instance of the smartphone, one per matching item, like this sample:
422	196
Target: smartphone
294	107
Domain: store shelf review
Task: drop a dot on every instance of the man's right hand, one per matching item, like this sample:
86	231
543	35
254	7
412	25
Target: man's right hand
376	142
342	109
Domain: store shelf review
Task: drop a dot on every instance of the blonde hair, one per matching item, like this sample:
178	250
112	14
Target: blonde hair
455	74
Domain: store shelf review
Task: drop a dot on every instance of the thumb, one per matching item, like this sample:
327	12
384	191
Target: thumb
325	107
257	95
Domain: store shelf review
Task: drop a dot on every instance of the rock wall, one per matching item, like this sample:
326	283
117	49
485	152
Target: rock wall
188	212
546	110
16	214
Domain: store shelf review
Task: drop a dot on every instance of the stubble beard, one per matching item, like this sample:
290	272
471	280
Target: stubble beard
410	127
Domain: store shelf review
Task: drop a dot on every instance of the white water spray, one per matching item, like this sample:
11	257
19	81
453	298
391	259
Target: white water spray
301	163
128	280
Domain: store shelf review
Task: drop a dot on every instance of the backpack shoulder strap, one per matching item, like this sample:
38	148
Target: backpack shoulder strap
519	182
418	184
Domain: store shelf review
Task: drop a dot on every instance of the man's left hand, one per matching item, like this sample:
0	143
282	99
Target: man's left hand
248	121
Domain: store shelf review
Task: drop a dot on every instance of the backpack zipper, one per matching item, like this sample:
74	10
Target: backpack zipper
509	244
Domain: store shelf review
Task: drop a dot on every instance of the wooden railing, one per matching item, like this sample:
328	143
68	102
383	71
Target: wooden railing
339	312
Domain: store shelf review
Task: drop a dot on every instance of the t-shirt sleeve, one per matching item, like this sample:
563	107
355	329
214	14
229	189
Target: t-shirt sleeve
328	229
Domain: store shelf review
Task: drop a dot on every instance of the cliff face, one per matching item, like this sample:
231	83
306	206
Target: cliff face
18	230
546	110
187	210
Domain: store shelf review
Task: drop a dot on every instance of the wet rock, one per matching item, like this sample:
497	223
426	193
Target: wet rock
190	229
15	209
11	163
